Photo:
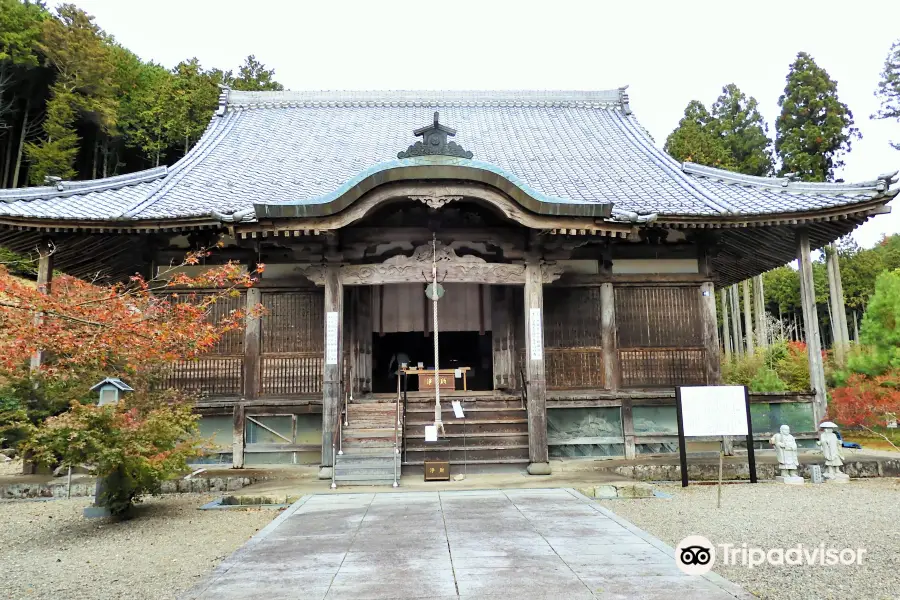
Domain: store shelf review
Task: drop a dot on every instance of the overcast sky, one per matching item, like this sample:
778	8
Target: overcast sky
667	52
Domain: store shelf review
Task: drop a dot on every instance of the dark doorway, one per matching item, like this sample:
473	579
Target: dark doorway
457	349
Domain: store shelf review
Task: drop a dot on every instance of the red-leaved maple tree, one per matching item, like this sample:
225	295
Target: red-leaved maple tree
867	402
124	327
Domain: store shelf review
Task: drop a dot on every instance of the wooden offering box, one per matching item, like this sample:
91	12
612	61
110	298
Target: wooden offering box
437	470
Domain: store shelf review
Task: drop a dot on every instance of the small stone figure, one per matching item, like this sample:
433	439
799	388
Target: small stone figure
831	450
786	451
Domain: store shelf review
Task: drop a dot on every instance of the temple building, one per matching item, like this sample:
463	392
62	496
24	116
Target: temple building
579	267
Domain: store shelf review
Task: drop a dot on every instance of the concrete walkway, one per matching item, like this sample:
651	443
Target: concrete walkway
522	544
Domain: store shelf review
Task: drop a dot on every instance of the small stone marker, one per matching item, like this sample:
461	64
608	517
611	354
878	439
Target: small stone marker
815	474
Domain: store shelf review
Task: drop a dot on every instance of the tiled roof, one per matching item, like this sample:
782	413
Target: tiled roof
300	147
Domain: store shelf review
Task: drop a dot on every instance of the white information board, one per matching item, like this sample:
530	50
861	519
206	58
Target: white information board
331	338
714	410
431	433
537	341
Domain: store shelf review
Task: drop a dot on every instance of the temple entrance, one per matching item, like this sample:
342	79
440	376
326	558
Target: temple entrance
457	349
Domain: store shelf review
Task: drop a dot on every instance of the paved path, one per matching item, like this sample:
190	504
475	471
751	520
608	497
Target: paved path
521	544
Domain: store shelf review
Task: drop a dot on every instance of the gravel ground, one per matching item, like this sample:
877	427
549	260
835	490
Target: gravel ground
861	514
48	550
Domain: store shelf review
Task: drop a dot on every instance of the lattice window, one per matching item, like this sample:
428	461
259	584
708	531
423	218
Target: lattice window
292	343
659	336
574	358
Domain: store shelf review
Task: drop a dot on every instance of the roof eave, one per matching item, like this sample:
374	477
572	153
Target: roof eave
433	168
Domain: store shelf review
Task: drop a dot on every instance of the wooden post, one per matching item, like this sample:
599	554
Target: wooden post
534	370
710	332
726	330
748	319
252	336
839	331
44	281
759	304
503	338
331	371
628	428
736	321
608	335
811	323
237	441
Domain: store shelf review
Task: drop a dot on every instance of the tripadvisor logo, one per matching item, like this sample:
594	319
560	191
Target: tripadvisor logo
696	555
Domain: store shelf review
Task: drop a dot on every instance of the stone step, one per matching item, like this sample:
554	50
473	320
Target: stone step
375	479
470	461
467	404
357	450
486	441
368	432
485	454
470	429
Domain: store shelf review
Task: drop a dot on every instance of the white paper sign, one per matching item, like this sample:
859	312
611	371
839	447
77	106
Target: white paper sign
458	373
431	433
331	338
458	410
714	410
537	341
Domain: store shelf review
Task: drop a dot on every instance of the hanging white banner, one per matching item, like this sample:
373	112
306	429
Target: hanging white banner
537	338
331	338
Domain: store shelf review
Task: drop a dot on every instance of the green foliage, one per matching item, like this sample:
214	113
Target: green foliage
105	108
20	29
135	446
781	367
696	140
880	330
815	128
888	90
18	265
253	77
26	401
767	380
732	136
743	131
55	155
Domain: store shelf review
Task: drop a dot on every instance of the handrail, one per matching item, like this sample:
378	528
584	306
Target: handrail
524	389
396	455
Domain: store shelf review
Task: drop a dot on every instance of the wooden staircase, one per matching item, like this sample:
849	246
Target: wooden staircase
495	431
368	456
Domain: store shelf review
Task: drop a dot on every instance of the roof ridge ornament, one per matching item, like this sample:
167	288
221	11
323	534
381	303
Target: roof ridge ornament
434	142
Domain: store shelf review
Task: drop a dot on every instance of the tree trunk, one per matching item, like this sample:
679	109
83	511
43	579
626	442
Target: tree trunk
7	158
15	179
105	157
96	152
748	318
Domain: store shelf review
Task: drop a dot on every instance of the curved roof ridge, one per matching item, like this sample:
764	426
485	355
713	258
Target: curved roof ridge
70	188
596	98
881	184
669	165
219	125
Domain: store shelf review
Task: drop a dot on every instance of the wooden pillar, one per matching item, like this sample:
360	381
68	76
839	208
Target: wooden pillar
534	370
726	329
44	281
252	337
736	320
759	305
710	332
628	428
331	371
237	443
839	330
748	319
811	323
503	341
608	336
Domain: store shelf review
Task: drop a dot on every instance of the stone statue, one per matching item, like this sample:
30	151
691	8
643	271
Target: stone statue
831	450
786	451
